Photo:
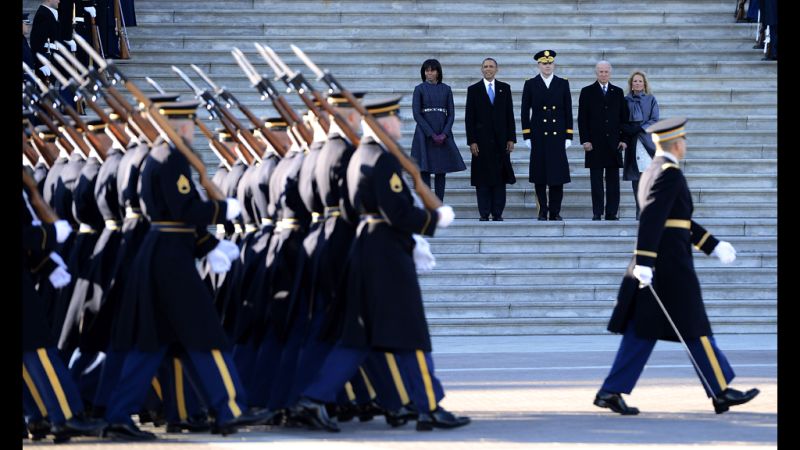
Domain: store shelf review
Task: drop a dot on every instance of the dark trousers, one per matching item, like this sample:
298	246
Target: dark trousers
438	181
50	385
635	185
215	371
611	191
634	351
491	200
554	205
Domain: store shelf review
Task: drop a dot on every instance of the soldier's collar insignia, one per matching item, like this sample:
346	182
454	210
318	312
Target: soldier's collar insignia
183	185
396	183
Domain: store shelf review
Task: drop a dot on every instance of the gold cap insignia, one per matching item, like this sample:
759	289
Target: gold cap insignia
396	183
183	185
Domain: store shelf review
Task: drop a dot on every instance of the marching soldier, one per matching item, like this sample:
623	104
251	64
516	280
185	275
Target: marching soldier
383	309
547	130
663	259
166	302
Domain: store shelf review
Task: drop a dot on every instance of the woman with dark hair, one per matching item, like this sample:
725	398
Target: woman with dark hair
433	147
643	109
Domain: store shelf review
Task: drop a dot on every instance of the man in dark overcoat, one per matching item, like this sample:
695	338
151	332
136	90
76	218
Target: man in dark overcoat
547	131
491	134
663	263
602	110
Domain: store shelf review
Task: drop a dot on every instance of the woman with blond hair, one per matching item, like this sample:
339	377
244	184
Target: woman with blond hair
643	109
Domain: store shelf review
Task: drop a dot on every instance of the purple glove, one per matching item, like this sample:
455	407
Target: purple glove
438	139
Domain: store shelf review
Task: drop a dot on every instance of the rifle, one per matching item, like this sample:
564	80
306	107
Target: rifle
27	150
32	99
283	73
255	148
428	198
96	42
112	96
43	210
298	82
230	99
218	148
93	140
122	31
42	148
157	119
267	90
77	87
49	102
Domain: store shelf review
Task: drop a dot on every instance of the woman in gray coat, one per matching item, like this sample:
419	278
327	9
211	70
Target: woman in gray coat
643	109
433	147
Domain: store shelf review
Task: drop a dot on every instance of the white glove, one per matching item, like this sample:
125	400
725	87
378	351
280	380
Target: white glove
233	208
567	143
528	143
59	277
230	249
446	216
644	274
218	261
91	10
63	230
45	70
72	45
725	252
423	258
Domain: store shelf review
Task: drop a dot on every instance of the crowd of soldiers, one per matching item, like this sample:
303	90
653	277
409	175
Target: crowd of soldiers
302	309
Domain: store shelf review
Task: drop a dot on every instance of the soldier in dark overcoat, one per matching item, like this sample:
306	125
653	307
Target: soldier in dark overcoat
547	130
663	263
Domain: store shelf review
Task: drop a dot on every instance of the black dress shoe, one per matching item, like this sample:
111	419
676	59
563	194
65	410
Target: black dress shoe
127	432
315	415
401	416
368	411
440	418
615	402
484	219
193	424
612	218
79	426
541	217
596	217
497	219
39	429
556	217
731	397
345	412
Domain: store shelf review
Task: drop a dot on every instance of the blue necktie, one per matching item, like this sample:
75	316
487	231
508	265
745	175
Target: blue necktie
604	90
491	93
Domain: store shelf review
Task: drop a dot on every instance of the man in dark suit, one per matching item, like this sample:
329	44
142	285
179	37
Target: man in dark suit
663	258
491	134
601	111
547	131
45	33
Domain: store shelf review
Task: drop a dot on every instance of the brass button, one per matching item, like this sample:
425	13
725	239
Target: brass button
544	107
554	120
554	133
545	133
544	120
554	106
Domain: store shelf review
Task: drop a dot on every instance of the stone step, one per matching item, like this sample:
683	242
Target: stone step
761	166
580	180
700	197
569	246
577	294
592	261
577	326
464	26
570	211
576	228
584	310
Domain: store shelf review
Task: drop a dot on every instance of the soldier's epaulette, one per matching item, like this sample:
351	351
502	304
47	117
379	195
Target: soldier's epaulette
564	78
666	166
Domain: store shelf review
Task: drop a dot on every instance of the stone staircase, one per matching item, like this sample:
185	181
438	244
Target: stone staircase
522	276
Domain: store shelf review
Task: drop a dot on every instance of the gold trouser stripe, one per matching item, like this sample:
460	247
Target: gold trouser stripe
712	359
44	237
179	398
370	389
398	380
678	223
646	253
37	398
55	383
427	222
703	240
348	388
426	379
226	379
157	387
